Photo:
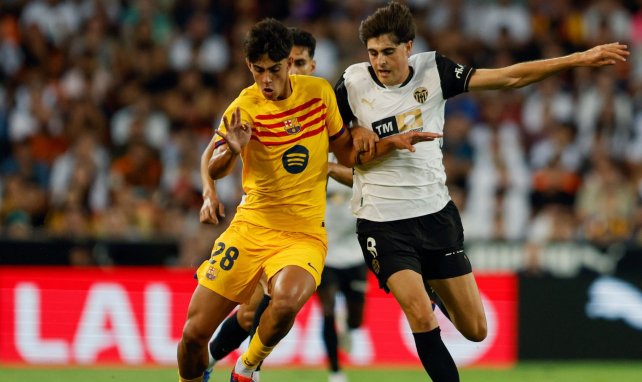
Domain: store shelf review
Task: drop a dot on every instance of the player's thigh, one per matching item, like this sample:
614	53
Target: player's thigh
291	288
461	296
407	287
206	310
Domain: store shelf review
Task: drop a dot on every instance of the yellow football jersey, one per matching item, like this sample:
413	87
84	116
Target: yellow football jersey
286	161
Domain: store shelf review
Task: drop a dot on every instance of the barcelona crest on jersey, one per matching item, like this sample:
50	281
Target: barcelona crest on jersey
292	126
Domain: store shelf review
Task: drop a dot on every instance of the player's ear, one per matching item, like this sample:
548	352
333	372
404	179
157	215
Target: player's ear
248	63
290	63
408	46
313	65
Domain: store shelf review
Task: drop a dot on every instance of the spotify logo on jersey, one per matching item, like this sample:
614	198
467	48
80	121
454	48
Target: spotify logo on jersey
295	160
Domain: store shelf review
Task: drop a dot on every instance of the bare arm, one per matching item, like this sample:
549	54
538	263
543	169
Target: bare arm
211	210
348	155
525	73
222	162
341	174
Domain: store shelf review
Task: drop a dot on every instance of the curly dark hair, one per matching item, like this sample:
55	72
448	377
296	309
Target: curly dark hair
304	39
394	18
270	37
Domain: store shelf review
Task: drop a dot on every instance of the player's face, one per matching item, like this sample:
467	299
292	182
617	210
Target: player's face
389	59
272	77
302	63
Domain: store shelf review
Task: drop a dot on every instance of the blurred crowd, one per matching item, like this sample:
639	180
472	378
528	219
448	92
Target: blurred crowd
106	107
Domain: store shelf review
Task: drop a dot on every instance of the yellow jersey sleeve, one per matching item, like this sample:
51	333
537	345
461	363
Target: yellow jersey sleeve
334	122
245	117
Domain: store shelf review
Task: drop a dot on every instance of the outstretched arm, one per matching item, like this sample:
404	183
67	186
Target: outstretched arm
403	141
525	73
348	155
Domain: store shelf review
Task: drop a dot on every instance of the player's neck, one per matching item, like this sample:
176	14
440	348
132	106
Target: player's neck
287	90
407	77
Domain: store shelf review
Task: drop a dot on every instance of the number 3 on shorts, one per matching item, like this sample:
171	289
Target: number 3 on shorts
227	262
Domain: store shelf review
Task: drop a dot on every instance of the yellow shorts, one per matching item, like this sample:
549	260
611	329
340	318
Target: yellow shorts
244	251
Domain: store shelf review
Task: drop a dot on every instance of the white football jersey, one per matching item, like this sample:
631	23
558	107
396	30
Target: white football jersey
402	184
343	247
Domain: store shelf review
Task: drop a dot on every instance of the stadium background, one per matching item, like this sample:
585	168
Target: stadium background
106	106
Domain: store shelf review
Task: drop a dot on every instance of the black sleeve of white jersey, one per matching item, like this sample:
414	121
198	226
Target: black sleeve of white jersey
454	77
341	93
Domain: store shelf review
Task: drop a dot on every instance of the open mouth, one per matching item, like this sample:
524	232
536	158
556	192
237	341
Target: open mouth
268	92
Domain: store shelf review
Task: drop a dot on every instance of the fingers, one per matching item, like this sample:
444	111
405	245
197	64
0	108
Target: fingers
366	145
610	54
206	216
425	136
235	121
211	213
236	117
227	124
369	147
221	134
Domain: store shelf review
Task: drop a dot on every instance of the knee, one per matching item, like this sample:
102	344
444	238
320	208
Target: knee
476	332
245	317
284	309
420	318
194	337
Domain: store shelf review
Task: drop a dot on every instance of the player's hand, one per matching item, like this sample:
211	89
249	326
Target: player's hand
212	211
364	140
607	54
408	140
238	133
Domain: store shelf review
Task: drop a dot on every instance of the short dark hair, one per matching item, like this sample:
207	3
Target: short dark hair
304	39
270	37
394	18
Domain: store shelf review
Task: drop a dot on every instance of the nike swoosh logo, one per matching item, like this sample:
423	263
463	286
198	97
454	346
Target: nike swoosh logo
312	266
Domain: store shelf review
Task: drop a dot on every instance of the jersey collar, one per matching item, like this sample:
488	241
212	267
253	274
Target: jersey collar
411	72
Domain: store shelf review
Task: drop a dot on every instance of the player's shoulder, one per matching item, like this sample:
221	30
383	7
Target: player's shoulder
356	71
249	96
247	100
311	85
423	59
250	93
309	81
